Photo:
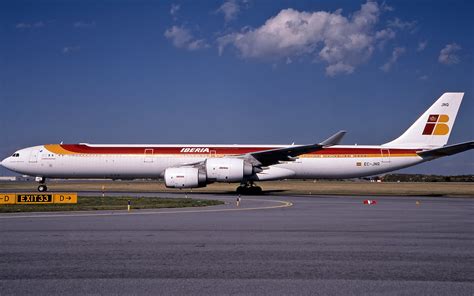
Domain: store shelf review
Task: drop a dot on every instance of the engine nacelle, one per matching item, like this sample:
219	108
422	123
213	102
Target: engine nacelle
227	169
184	178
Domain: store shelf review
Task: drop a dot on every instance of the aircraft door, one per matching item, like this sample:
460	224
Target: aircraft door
34	156
149	155
385	153
212	154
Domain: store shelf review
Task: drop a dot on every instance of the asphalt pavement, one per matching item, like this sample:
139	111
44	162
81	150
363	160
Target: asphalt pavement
271	245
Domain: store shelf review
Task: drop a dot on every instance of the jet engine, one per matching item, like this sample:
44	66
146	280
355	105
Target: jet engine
185	178
214	170
227	169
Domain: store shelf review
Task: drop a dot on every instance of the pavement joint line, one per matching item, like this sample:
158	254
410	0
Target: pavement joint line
282	204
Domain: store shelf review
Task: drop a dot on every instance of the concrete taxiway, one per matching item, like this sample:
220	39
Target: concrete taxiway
271	245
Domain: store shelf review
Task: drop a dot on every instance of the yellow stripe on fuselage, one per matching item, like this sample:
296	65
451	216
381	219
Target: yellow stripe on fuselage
355	155
57	149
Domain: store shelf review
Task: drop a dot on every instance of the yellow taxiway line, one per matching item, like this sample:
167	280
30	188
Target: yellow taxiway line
281	204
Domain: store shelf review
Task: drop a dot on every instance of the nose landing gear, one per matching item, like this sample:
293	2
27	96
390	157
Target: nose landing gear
42	186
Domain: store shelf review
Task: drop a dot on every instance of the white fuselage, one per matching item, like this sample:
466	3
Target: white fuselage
335	162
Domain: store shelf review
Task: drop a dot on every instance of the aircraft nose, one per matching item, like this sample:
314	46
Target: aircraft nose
3	163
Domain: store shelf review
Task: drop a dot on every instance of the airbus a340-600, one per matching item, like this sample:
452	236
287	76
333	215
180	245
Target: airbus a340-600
191	166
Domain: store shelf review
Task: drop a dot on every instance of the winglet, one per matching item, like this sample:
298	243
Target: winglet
334	139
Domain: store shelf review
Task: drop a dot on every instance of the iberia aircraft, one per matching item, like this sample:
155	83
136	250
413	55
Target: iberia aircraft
191	166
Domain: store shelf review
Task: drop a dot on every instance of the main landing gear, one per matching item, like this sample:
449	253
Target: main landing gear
249	188
42	186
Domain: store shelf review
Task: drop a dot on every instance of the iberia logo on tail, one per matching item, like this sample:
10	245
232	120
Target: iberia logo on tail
437	125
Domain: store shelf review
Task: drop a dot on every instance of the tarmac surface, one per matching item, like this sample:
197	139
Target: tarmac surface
271	245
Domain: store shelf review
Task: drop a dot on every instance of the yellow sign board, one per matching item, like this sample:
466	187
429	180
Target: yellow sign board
30	198
68	198
38	198
7	199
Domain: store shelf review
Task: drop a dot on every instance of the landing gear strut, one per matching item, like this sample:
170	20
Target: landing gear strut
249	188
42	186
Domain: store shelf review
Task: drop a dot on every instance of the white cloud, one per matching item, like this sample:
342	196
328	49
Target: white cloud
423	77
421	45
386	7
179	36
384	35
81	24
22	26
448	54
396	53
30	25
70	49
341	42
230	9
174	10
182	38
339	68
197	44
399	24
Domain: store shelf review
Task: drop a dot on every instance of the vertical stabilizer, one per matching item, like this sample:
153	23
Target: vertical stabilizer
433	128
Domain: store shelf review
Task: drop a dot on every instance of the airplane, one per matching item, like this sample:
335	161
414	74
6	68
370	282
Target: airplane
192	166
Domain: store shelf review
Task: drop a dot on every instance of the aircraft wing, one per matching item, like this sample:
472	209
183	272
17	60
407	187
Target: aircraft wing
274	156
447	150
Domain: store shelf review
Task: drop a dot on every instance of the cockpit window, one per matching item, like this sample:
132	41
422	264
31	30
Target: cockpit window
16	155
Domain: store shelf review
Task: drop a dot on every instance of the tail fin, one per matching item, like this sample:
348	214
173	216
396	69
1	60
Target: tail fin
433	128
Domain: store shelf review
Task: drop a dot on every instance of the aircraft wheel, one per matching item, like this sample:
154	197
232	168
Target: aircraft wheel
240	190
256	190
42	188
251	190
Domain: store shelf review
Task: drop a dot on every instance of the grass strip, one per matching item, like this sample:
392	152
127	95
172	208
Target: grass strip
91	203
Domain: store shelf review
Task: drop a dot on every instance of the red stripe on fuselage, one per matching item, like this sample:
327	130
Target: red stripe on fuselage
84	149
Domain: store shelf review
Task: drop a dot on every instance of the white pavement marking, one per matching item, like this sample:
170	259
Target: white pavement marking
282	204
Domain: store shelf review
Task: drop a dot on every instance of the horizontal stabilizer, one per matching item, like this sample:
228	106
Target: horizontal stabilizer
447	150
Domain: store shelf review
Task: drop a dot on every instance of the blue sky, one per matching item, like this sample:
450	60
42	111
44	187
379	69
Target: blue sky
231	71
